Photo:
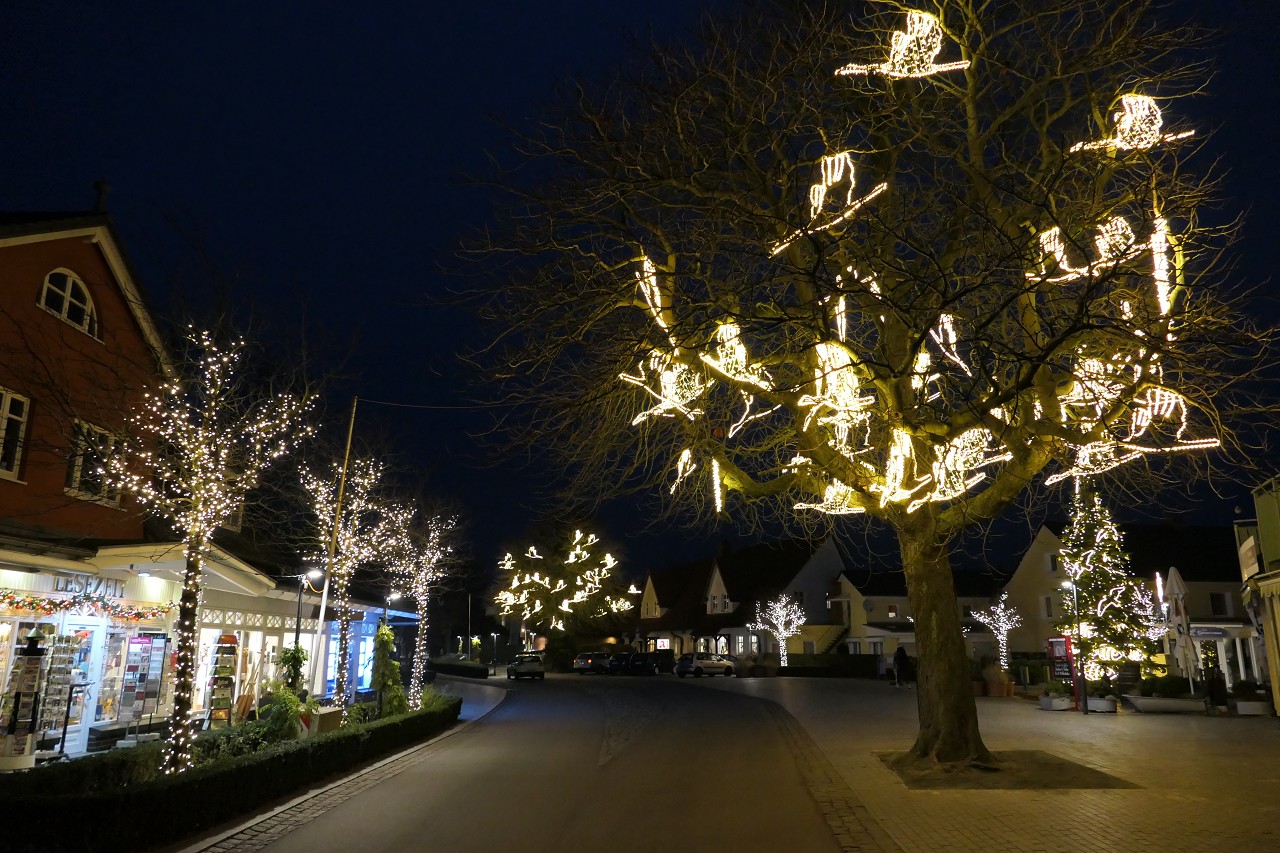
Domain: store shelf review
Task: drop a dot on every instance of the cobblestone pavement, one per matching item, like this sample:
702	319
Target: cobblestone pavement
1204	782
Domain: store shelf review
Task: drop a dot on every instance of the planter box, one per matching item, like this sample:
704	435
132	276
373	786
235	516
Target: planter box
1161	705
1253	708
1000	688
1056	703
1101	705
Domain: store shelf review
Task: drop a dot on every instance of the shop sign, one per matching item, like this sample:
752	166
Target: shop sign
1207	633
89	585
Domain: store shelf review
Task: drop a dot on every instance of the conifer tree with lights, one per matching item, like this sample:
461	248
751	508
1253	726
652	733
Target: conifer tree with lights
551	592
1112	622
780	618
807	270
349	534
196	448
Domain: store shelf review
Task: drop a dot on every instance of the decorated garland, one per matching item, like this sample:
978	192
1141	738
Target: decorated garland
11	600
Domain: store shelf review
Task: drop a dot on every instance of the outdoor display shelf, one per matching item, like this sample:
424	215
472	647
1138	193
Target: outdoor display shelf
222	681
57	683
20	706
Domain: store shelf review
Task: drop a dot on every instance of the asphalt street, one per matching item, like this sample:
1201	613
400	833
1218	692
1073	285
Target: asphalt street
590	763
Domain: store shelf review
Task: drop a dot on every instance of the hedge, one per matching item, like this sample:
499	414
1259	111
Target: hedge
167	809
464	668
831	666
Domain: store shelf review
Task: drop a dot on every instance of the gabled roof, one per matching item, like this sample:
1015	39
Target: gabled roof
21	227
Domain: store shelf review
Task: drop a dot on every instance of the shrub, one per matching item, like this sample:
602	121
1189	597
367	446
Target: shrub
155	813
464	668
1165	686
1058	688
1247	690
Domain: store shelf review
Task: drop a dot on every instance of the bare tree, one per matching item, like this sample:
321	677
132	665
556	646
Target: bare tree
417	554
196	447
900	268
781	618
348	511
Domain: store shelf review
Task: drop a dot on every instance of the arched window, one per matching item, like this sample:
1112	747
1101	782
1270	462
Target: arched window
65	295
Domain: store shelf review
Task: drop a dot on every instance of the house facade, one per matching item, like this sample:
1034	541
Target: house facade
1206	558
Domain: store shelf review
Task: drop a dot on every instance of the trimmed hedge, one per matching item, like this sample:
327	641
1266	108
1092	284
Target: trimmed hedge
464	668
164	810
831	666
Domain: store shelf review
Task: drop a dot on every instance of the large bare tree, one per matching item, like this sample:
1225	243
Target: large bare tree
879	261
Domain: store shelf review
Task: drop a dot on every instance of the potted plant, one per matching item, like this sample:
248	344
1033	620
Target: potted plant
1057	696
1101	698
996	680
1250	700
1166	694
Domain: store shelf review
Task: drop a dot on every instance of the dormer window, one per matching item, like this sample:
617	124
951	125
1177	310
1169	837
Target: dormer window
64	295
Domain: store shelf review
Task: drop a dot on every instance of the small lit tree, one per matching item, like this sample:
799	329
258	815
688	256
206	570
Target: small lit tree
1001	619
1115	615
416	556
197	446
782	618
545	592
357	538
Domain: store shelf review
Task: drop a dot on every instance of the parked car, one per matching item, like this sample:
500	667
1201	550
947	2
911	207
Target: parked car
590	662
526	665
618	663
699	664
642	663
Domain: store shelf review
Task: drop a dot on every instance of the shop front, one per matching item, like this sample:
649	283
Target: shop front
84	625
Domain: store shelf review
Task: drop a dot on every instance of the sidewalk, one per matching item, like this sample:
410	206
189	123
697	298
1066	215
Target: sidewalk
1204	782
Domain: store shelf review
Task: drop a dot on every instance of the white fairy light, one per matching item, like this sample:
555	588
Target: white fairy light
684	467
839	219
1001	618
361	537
1138	124
838	499
215	450
781	617
578	584
678	385
717	490
912	53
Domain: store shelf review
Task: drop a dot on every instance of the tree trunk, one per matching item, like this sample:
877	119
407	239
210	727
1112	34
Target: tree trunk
342	687
178	750
420	655
948	714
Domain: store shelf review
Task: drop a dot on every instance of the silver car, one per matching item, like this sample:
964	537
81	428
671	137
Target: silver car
699	664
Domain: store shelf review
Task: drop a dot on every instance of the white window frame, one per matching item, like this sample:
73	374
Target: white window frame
7	422
109	442
90	323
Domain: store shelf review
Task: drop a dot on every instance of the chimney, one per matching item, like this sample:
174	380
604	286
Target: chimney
102	188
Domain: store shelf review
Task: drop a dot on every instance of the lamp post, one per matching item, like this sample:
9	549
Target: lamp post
495	652
1078	674
394	595
312	575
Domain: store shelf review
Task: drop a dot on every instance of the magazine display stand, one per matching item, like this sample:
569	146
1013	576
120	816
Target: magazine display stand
222	682
20	705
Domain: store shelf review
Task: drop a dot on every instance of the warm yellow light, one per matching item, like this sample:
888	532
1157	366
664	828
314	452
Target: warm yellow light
911	53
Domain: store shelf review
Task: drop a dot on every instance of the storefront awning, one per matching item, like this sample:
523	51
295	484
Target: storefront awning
168	560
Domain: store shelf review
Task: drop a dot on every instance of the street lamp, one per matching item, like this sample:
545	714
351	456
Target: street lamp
1081	686
495	652
394	595
312	575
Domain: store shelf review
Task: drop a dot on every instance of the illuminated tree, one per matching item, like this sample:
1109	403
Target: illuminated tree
416	556
358	538
780	618
808	269
546	592
1001	619
1115	610
196	447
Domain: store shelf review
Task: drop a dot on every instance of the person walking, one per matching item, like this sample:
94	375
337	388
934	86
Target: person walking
901	663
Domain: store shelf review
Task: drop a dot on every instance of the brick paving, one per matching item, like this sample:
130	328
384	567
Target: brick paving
1204	782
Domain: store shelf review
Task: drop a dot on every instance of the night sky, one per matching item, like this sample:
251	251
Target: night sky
315	151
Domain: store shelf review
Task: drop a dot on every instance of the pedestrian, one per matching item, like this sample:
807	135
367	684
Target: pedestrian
900	665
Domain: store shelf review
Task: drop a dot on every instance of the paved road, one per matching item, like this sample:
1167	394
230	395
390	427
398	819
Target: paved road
589	763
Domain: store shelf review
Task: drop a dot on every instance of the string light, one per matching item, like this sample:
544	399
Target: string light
780	617
1001	618
114	610
912	53
416	553
579	584
194	451
1138	124
363	536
